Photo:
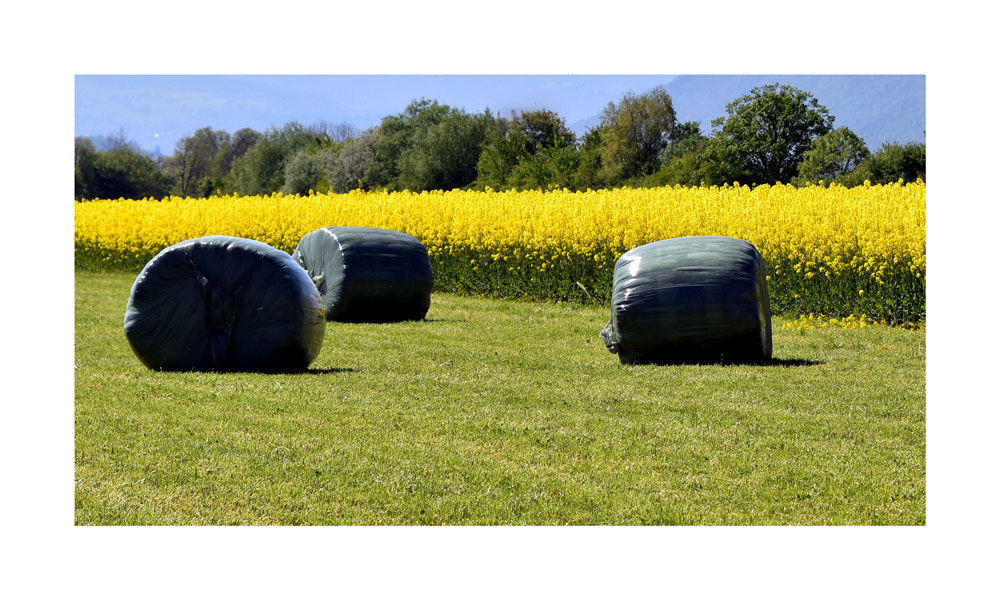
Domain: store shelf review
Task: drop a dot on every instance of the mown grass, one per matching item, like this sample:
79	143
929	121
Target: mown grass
499	412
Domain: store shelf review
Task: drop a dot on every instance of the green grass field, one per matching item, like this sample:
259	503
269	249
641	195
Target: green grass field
499	412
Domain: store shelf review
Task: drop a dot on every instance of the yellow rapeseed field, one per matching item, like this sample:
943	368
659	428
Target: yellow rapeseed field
835	250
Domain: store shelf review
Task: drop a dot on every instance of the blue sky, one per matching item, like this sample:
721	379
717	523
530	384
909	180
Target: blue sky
157	110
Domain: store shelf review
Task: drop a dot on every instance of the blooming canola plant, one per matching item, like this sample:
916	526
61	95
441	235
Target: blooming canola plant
832	250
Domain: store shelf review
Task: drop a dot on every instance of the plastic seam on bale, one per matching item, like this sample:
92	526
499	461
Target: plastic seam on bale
222	316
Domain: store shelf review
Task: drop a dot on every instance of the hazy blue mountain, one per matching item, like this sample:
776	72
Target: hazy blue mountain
102	143
879	108
106	143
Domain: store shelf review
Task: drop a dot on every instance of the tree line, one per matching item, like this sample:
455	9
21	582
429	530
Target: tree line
775	133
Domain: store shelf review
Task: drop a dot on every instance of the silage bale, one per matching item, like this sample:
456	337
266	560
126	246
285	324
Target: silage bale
221	303
368	275
690	300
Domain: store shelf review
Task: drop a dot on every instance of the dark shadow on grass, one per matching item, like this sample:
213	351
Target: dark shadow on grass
324	371
723	362
375	322
792	362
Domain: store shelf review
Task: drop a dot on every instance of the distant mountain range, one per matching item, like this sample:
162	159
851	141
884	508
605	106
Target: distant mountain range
877	108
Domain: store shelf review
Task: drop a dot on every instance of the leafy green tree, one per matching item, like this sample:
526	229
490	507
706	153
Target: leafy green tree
84	156
232	148
220	178
428	146
123	172
590	167
551	167
347	170
542	129
690	169
682	160
832	156
634	132
504	146
261	169
243	140
766	134
302	172
393	136
443	153
516	145
685	139
193	160
890	163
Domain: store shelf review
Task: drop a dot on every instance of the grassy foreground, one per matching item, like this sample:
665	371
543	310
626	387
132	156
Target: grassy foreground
499	412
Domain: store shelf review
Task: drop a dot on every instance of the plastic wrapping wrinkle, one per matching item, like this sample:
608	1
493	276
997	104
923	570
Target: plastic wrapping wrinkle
220	303
692	299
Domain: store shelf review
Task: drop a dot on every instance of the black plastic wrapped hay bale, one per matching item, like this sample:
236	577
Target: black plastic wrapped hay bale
368	275
222	303
690	300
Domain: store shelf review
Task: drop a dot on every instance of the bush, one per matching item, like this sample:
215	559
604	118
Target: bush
832	156
346	170
124	172
686	169
307	170
891	163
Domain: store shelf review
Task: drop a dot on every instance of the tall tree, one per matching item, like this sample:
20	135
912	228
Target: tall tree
766	133
243	140
261	169
442	155
394	135
234	147
347	171
428	146
634	131
532	149
590	169
192	161
84	156
504	146
831	156
542	129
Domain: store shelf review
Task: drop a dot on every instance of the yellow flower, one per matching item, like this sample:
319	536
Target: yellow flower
869	238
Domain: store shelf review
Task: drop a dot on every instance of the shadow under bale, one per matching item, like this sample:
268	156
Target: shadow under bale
720	359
